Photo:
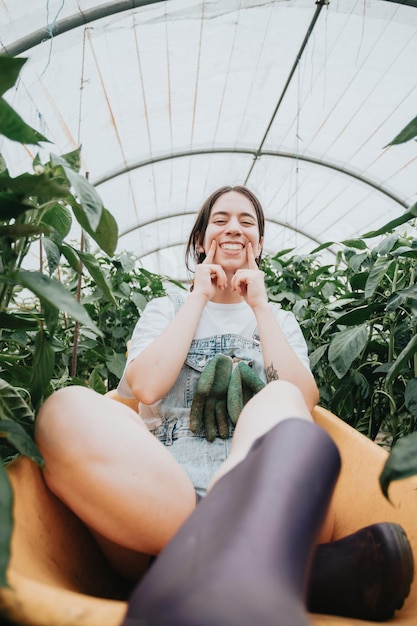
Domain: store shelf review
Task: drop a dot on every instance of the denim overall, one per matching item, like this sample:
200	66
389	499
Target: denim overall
200	458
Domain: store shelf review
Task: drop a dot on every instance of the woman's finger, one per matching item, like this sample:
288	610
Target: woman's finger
218	274
238	281
211	253
252	264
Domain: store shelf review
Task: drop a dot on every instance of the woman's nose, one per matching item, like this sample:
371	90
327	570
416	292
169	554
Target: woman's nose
234	226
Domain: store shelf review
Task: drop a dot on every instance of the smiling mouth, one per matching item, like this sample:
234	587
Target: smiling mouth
232	247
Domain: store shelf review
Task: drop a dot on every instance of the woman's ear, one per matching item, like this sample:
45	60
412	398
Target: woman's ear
260	246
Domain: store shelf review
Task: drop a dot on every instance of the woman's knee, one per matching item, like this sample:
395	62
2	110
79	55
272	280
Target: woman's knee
278	397
58	420
277	401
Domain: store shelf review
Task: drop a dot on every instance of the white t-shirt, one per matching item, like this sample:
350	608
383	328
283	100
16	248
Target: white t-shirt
216	319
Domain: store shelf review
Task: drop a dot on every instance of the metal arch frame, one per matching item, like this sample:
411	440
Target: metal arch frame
74	21
254	152
246	151
105	10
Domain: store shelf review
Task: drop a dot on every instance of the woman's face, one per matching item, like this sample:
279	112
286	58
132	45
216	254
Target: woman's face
233	223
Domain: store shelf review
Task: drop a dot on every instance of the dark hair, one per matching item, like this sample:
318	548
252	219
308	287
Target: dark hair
200	226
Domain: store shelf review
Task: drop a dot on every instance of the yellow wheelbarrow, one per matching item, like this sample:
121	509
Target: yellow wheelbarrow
58	577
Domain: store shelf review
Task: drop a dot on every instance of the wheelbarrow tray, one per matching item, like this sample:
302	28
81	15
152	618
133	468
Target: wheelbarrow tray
58	576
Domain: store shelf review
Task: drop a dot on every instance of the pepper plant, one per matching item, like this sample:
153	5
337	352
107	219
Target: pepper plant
100	360
359	318
37	208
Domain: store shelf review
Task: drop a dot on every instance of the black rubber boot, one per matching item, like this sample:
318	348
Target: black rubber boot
366	575
243	556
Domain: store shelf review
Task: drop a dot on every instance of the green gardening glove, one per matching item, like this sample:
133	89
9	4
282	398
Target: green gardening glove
209	406
244	383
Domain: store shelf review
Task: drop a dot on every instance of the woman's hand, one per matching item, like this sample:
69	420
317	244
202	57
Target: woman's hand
208	275
249	283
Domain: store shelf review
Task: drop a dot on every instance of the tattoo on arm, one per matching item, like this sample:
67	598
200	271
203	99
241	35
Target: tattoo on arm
271	373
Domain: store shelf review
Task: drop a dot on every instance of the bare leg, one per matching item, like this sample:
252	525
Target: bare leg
120	480
243	555
117	477
278	401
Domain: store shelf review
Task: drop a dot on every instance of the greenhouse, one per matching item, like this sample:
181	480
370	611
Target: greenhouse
170	100
118	120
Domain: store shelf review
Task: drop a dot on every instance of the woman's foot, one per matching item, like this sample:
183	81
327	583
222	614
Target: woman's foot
366	575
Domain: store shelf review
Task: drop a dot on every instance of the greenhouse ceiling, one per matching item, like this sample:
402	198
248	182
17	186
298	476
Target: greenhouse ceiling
295	98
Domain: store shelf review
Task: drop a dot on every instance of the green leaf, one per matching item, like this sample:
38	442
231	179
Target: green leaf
405	251
18	321
355	262
9	71
13	127
71	257
87	197
345	347
139	300
316	356
410	396
116	363
343	302
376	275
8	359
40	185
43	367
96	273
389	226
52	254
401	463
10	207
18	437
51	317
355	243
3	167
106	234
386	245
405	355
96	382
407	133
397	299
6	523
359	315
322	246
358	281
59	218
53	292
73	159
12	405
16	231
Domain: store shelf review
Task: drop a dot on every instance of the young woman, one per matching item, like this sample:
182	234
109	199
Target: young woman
133	477
227	311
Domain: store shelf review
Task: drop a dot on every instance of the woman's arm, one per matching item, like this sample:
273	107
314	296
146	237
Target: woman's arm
280	360
154	371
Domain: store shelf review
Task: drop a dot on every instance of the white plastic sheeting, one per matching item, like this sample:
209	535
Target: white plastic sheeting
170	100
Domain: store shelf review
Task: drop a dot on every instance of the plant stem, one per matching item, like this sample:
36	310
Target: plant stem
73	370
